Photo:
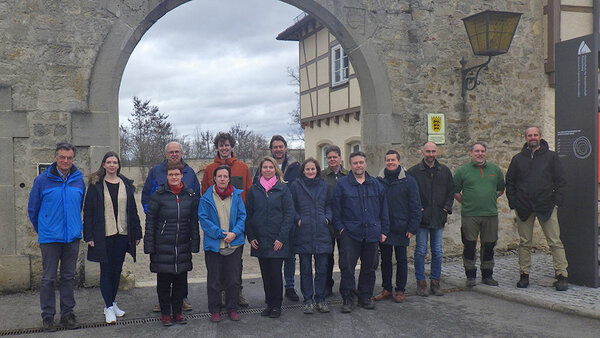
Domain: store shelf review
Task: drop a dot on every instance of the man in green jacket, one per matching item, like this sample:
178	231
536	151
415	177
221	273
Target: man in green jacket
477	186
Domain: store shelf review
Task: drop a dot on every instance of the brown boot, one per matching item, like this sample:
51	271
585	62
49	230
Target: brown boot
435	287
383	295
422	288
399	297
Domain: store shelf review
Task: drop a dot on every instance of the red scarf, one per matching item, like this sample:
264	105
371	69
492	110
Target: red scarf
176	190
226	193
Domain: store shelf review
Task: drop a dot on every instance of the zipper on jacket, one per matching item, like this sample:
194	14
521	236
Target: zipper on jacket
177	233
481	172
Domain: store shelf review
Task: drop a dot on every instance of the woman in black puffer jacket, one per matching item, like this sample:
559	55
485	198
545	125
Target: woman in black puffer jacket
172	234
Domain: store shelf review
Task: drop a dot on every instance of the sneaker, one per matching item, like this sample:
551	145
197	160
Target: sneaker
166	320
309	309
348	305
435	287
215	317
156	308
399	297
562	283
266	312
48	324
69	322
367	304
117	310
109	315
242	302
186	306
234	315
385	294
489	281
179	319
422	288
275	313
523	281
291	294
322	307
471	282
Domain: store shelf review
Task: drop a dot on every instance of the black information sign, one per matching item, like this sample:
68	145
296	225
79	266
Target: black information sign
577	147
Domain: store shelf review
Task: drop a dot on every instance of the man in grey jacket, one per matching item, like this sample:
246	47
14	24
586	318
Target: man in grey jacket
436	188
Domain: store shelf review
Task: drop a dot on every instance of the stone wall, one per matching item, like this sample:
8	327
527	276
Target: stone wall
62	62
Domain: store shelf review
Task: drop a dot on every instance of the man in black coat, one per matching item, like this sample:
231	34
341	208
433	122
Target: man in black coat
535	187
436	188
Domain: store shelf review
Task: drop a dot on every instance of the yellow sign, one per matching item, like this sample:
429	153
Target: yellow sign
436	128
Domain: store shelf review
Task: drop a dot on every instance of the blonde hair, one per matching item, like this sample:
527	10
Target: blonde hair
278	172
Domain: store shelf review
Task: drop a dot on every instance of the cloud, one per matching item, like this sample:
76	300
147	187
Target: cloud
209	64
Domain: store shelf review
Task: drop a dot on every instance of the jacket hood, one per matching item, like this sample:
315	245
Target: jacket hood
543	148
423	166
52	172
230	161
368	178
209	192
401	173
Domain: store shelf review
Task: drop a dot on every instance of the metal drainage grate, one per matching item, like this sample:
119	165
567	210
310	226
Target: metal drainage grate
135	321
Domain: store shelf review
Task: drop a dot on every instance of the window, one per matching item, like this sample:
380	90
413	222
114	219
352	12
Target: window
354	147
324	156
339	66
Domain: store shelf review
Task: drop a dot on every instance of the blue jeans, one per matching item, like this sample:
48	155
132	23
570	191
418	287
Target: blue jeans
435	239
306	277
289	270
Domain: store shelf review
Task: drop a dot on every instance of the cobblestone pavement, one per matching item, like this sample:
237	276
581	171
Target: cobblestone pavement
579	300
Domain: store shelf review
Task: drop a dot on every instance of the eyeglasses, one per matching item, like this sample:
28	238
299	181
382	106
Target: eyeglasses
173	152
173	175
67	158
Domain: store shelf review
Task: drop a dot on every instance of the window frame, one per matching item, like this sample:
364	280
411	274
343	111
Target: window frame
344	64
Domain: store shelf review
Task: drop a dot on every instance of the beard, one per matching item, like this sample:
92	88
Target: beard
533	144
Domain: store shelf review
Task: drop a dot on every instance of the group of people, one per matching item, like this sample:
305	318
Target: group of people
287	209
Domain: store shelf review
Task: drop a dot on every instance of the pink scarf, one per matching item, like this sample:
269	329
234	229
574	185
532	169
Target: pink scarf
268	184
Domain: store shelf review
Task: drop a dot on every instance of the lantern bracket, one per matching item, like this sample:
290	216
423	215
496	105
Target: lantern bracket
470	75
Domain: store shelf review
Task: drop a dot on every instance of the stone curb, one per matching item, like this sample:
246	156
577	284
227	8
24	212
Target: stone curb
527	300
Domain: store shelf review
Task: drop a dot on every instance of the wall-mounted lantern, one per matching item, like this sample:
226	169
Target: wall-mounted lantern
490	34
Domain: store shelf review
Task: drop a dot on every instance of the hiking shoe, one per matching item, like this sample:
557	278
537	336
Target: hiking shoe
179	319
562	283
322	307
291	294
48	324
489	281
156	308
422	288
470	282
275	312
348	305
309	309
186	306
385	294
234	315
109	315
242	302
166	320
524	281
266	312
117	310
215	317
367	304
69	322
399	297
435	288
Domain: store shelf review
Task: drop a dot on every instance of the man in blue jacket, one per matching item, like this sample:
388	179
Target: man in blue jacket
158	176
360	214
55	203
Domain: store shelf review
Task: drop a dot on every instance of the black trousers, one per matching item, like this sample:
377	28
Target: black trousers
387	266
331	263
170	289
352	251
226	270
270	270
110	271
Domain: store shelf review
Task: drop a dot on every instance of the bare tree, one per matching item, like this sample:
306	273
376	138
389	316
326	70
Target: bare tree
144	140
297	132
249	145
201	144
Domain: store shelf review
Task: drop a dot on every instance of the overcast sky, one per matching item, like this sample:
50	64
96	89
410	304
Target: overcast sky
208	64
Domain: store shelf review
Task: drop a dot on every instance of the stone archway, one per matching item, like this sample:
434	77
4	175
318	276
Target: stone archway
350	24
